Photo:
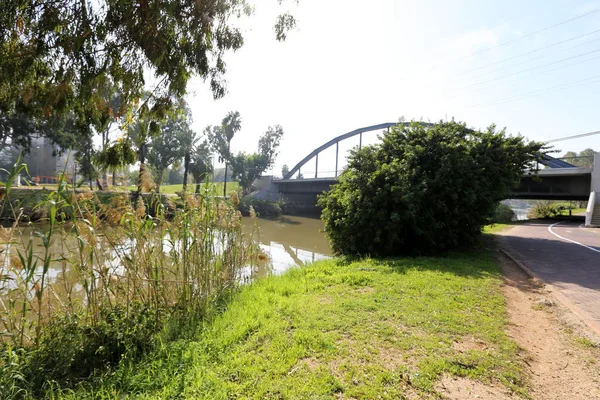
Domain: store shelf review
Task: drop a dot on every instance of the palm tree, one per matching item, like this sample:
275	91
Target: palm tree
231	124
187	143
200	163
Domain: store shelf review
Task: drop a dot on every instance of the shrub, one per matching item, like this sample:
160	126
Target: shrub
263	208
423	189
545	209
117	279
503	214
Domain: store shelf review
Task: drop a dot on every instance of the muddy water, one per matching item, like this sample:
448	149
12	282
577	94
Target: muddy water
287	242
290	241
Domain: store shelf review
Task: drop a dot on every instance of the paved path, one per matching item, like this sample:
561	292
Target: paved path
564	254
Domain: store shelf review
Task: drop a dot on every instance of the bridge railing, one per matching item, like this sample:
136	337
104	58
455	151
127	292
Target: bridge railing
582	162
300	174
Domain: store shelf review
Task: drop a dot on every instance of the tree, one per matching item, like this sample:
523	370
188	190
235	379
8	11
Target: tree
220	138
188	141
165	148
423	189
58	55
119	155
246	168
285	170
584	159
200	163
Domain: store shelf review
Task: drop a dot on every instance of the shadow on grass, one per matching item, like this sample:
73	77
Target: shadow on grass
476	262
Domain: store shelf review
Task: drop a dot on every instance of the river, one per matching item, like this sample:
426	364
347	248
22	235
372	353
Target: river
290	241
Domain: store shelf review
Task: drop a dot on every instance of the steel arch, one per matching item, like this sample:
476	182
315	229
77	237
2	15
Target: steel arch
340	138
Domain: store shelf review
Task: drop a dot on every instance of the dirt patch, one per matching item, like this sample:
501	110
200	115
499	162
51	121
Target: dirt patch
558	368
451	387
469	343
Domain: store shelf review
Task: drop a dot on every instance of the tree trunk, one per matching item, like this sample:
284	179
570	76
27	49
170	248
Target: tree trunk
198	187
104	146
159	179
225	182
225	179
186	164
142	157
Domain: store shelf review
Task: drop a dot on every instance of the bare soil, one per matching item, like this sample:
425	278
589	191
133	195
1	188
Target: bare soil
560	354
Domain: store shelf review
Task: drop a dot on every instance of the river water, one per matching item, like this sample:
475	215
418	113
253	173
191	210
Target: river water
290	241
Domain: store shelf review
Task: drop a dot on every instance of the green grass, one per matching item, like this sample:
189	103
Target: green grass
493	228
365	329
574	211
218	188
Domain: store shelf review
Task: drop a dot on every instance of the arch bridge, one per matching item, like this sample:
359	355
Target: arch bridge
559	180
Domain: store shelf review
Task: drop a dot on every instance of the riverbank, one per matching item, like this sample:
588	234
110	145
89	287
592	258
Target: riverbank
335	328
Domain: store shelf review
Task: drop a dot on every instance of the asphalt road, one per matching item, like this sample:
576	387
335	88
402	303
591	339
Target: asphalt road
564	254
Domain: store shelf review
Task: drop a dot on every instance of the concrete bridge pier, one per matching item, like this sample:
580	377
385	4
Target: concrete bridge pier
592	215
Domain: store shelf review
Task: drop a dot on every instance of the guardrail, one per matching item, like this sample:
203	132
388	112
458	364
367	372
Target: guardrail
590	209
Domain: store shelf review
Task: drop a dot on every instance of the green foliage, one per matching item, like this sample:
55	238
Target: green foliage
544	209
118	155
107	279
67	55
584	159
71	349
503	214
365	329
423	189
200	165
166	148
246	168
263	208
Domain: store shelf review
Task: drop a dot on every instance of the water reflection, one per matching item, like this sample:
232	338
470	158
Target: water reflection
290	241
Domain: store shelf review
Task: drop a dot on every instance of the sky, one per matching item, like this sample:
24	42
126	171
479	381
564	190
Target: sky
349	64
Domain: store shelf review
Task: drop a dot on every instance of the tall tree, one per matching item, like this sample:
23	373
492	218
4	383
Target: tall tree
165	149
246	168
221	136
584	159
188	139
58	56
200	163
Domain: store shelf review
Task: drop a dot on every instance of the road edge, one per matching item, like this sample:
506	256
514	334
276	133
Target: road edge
554	292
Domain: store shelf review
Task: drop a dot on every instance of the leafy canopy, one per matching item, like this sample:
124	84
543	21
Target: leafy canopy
246	168
584	159
74	55
423	189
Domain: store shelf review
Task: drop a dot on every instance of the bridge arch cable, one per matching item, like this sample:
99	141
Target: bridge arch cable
338	139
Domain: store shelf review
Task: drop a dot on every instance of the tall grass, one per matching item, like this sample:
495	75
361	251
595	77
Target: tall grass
107	278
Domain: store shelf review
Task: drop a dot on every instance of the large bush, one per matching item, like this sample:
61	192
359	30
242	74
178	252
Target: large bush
423	189
503	214
544	209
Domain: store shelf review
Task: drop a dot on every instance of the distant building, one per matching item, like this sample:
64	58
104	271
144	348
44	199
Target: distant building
44	164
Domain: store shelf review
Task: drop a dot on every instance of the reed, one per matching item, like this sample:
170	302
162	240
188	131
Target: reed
109	267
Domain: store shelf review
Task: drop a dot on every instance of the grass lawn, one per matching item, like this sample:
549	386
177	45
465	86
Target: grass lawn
574	211
218	188
493	228
334	329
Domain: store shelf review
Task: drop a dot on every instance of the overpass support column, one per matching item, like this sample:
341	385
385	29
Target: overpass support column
596	177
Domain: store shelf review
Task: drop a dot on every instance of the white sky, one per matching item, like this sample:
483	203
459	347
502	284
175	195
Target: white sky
352	64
